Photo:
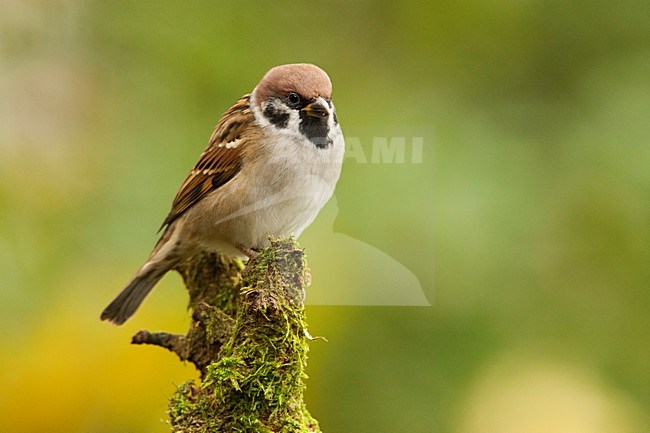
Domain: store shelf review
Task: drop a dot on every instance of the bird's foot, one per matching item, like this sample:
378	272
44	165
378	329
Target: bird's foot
249	252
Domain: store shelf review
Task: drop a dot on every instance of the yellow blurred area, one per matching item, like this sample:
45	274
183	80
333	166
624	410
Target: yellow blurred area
69	372
523	393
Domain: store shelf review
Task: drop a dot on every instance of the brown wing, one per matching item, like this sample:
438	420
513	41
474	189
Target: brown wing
219	162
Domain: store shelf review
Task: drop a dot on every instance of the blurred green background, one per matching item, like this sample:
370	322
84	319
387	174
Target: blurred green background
527	223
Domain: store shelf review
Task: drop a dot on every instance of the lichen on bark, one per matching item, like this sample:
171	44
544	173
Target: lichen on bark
248	338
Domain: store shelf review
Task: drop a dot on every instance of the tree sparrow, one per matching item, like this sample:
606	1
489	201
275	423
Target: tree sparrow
271	164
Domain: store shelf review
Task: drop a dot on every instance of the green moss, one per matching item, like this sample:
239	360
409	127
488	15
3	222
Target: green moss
256	384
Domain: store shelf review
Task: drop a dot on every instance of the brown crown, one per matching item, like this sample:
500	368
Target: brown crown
308	80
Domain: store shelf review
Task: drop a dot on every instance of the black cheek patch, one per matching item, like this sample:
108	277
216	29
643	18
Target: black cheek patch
315	129
276	117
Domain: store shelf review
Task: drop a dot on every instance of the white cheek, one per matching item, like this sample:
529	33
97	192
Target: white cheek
292	130
293	127
294	118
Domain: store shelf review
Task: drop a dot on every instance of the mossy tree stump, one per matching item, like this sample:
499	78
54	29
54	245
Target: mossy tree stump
248	338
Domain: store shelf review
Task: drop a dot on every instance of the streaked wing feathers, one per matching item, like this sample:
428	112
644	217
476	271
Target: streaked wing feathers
219	162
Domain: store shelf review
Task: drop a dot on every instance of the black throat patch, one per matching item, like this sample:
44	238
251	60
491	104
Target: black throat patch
315	129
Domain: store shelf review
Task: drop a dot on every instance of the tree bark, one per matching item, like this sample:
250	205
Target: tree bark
248	338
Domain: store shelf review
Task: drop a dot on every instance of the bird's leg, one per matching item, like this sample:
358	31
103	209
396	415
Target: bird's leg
250	252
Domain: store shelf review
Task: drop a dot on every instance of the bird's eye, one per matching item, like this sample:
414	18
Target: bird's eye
294	99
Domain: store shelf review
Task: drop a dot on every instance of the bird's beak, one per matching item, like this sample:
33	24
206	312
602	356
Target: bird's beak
319	108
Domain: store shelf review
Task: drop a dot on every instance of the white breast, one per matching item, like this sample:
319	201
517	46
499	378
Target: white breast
298	179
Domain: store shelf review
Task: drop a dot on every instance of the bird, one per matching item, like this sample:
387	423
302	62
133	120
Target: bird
270	165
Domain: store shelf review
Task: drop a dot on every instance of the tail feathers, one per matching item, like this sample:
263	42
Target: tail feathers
130	298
